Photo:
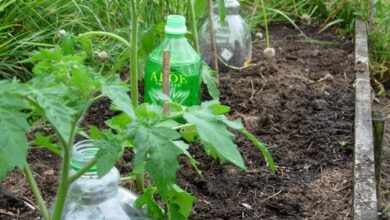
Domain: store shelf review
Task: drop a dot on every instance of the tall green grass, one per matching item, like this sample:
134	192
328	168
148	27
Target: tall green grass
325	13
26	25
29	24
379	46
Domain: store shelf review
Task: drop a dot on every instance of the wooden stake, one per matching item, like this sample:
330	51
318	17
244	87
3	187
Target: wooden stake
372	15
378	121
214	55
166	71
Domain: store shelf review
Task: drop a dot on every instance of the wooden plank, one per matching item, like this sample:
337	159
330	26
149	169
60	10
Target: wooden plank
365	196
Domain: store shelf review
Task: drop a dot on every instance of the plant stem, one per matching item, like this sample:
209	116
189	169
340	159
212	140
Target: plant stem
134	55
214	57
106	34
265	24
195	37
83	170
182	126
134	74
37	193
64	184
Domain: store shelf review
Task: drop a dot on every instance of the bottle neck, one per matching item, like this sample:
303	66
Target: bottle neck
229	10
174	36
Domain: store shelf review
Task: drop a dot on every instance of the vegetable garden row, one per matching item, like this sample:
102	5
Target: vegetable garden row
222	125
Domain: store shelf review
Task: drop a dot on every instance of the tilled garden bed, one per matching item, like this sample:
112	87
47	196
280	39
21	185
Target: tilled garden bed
300	103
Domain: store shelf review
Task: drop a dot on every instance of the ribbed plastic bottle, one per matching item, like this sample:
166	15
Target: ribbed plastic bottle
99	199
233	38
185	66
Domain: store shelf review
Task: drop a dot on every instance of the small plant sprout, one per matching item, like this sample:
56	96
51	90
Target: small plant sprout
342	144
268	52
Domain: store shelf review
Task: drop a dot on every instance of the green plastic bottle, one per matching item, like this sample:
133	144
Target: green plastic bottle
185	66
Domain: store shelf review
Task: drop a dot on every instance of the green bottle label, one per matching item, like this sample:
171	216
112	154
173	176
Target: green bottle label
184	83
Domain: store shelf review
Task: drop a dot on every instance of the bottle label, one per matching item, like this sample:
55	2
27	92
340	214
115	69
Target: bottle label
184	82
226	54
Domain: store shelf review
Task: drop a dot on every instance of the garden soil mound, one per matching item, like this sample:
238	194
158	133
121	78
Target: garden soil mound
300	103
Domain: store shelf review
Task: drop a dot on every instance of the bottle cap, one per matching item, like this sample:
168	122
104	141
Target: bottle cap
176	24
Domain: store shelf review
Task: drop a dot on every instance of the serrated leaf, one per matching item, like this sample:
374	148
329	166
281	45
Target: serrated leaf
147	198
184	148
119	122
13	127
263	149
189	133
179	204
216	107
168	124
56	111
154	145
149	111
237	125
213	132
208	77
116	91
45	142
110	149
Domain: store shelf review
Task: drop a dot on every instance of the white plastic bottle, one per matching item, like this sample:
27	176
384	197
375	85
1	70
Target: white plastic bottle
98	199
233	38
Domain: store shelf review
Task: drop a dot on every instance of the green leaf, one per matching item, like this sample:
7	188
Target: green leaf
216	107
184	148
86	44
13	128
209	78
263	149
179	204
154	145
189	133
68	44
147	198
56	111
45	142
214	133
116	91
119	122
200	7
110	150
222	10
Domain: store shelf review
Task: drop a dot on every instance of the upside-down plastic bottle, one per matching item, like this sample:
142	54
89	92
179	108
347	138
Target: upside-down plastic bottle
232	37
99	199
184	62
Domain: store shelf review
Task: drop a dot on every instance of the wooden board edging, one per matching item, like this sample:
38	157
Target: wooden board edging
365	204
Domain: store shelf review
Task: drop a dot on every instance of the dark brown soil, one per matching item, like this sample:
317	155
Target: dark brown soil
300	103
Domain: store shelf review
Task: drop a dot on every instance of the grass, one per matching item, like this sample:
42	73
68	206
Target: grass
28	25
379	46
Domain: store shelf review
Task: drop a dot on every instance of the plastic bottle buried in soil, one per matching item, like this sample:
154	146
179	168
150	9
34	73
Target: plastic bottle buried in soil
99	199
184	63
233	38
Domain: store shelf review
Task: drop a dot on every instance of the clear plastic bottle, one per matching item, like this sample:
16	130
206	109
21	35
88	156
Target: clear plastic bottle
99	199
185	66
233	38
